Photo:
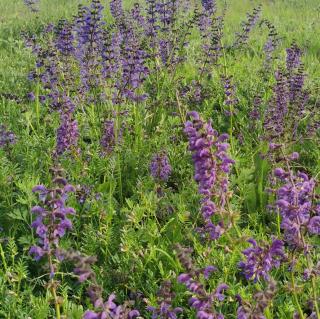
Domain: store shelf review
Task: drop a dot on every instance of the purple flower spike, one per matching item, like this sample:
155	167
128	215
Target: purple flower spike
6	137
52	220
67	135
110	309
260	260
160	167
295	204
212	166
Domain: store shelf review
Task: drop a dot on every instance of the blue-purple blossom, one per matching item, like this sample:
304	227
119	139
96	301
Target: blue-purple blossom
299	214
160	167
6	137
64	41
277	111
252	19
110	310
67	134
33	5
230	94
212	166
89	34
260	260
271	44
111	136
52	217
133	70
209	6
294	54
116	9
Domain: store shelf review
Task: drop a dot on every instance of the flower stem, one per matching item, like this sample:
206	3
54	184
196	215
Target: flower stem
57	305
295	296
37	104
5	266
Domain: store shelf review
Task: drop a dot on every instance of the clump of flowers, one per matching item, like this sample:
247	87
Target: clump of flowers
252	19
212	166
290	103
6	137
52	219
133	70
275	118
90	44
111	136
67	134
271	44
299	213
230	95
202	301
164	310
51	224
33	5
260	260
160	167
299	209
109	309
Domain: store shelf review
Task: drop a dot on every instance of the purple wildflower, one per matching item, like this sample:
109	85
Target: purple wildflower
209	6
277	111
211	30
293	57
6	137
111	136
160	167
89	30
252	19
67	134
133	70
261	259
33	5
295	204
65	39
52	220
110	310
116	9
230	94
271	44
254	115
212	166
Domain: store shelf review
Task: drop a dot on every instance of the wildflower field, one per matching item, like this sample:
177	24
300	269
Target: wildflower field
159	159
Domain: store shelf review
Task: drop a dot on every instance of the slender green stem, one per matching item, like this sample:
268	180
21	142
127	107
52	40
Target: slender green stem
295	296
37	104
5	266
57	305
315	297
314	288
279	224
117	130
53	288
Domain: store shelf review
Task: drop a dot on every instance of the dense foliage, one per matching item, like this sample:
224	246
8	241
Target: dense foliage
158	163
